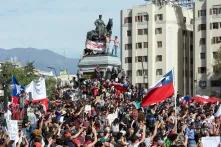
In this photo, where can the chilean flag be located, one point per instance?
(205, 99)
(16, 90)
(161, 91)
(119, 87)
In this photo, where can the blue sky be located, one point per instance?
(58, 25)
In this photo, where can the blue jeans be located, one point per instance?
(114, 50)
(191, 143)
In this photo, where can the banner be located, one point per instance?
(37, 89)
(96, 46)
(12, 126)
(211, 141)
(38, 92)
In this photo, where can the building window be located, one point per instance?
(184, 20)
(146, 17)
(139, 72)
(128, 46)
(158, 17)
(202, 84)
(215, 69)
(215, 83)
(128, 59)
(145, 72)
(201, 13)
(159, 44)
(202, 41)
(202, 27)
(216, 40)
(128, 20)
(145, 31)
(145, 59)
(215, 11)
(215, 55)
(138, 59)
(214, 25)
(139, 18)
(129, 73)
(159, 72)
(202, 55)
(140, 31)
(141, 59)
(129, 33)
(141, 85)
(201, 70)
(138, 45)
(158, 31)
(145, 45)
(158, 58)
(191, 21)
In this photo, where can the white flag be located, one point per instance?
(218, 112)
(37, 89)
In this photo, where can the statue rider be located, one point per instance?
(100, 26)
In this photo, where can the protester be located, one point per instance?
(102, 115)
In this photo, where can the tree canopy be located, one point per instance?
(24, 75)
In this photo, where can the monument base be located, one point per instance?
(88, 64)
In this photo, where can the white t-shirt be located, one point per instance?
(115, 128)
(8, 115)
(134, 145)
(148, 142)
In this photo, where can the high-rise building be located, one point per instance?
(155, 38)
(207, 34)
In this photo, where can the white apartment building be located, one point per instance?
(154, 39)
(207, 34)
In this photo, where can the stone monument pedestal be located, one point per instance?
(88, 64)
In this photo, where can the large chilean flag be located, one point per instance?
(161, 91)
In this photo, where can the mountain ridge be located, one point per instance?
(42, 58)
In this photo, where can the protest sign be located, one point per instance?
(87, 108)
(211, 141)
(12, 126)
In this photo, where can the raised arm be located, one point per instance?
(95, 137)
(78, 113)
(157, 125)
(143, 127)
(79, 132)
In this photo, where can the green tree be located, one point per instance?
(24, 76)
(50, 87)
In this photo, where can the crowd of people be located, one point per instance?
(99, 115)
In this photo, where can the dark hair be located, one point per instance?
(133, 138)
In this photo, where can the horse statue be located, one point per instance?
(109, 27)
(100, 36)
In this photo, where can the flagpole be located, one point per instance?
(175, 95)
